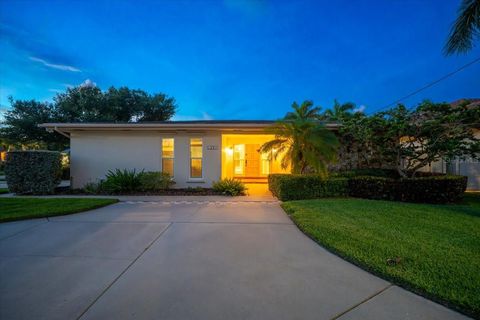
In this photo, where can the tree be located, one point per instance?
(81, 104)
(302, 141)
(22, 128)
(339, 111)
(85, 103)
(465, 28)
(409, 140)
(159, 107)
(90, 104)
(306, 111)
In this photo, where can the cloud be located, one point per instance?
(55, 66)
(360, 109)
(88, 84)
(205, 116)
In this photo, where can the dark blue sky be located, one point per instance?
(230, 59)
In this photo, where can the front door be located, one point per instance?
(246, 160)
(252, 160)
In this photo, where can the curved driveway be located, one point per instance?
(187, 260)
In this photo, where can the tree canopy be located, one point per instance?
(302, 142)
(81, 104)
(410, 139)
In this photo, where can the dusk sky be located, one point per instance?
(230, 59)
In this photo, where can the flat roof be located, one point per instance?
(195, 125)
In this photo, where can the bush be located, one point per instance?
(65, 172)
(297, 187)
(229, 187)
(369, 187)
(427, 189)
(122, 181)
(371, 172)
(95, 187)
(154, 181)
(35, 172)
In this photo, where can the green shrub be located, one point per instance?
(155, 180)
(35, 172)
(427, 189)
(229, 187)
(371, 172)
(369, 187)
(95, 187)
(297, 187)
(122, 181)
(66, 172)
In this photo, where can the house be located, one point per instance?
(466, 167)
(195, 153)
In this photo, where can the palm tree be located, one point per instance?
(339, 111)
(465, 28)
(302, 141)
(305, 111)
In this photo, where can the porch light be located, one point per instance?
(229, 151)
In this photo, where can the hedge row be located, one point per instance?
(432, 189)
(33, 172)
(296, 187)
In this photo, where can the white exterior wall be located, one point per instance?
(94, 153)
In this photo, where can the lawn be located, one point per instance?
(27, 208)
(430, 249)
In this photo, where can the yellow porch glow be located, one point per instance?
(241, 157)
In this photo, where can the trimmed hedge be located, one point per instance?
(33, 172)
(297, 187)
(432, 189)
(426, 189)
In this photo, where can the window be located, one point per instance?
(239, 159)
(196, 153)
(168, 152)
(265, 165)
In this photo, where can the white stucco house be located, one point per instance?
(195, 153)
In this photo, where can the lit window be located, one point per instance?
(239, 159)
(196, 153)
(168, 151)
(265, 164)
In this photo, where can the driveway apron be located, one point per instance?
(187, 260)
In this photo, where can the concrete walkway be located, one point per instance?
(180, 260)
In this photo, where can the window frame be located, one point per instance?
(196, 158)
(172, 157)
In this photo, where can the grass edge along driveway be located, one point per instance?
(429, 249)
(16, 208)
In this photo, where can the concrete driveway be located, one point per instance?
(187, 260)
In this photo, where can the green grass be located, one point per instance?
(3, 190)
(26, 208)
(438, 245)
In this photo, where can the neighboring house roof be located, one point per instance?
(243, 126)
(475, 102)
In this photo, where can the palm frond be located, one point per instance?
(465, 28)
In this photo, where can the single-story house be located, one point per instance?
(194, 153)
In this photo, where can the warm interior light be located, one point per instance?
(229, 151)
